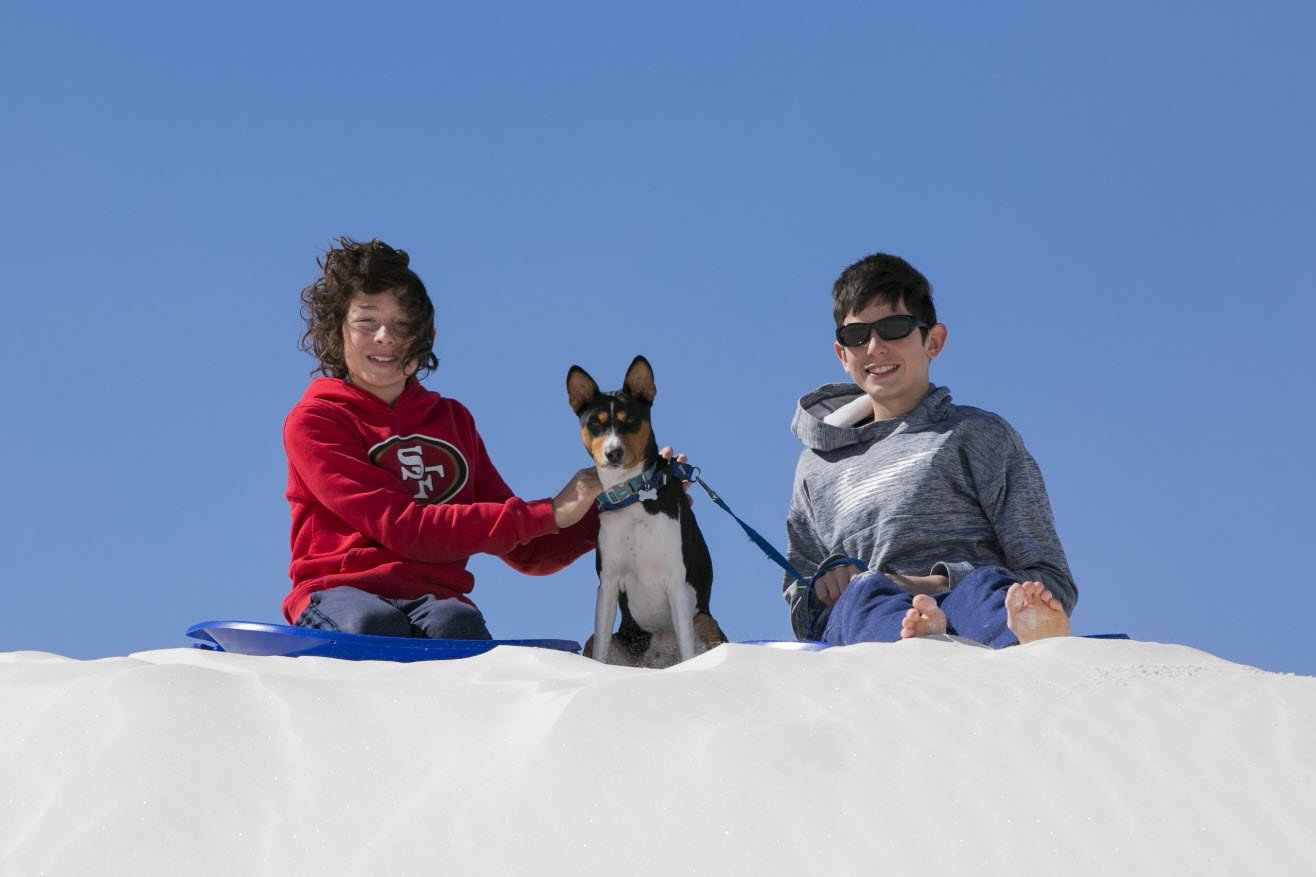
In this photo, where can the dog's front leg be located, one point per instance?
(605, 614)
(681, 602)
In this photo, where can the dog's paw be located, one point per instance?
(707, 631)
(620, 654)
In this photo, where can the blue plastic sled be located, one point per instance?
(255, 638)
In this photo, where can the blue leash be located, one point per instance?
(686, 472)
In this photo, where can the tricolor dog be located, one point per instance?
(652, 560)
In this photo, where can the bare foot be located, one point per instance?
(925, 619)
(1032, 613)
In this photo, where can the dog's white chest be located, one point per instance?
(642, 554)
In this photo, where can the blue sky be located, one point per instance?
(1113, 203)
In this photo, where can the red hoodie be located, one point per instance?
(394, 500)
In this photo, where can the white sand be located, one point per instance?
(1065, 756)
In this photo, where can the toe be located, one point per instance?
(1015, 597)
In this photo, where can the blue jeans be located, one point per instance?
(873, 606)
(350, 610)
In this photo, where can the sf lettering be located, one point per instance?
(413, 466)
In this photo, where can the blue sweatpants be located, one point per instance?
(873, 606)
(350, 610)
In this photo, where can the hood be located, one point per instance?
(809, 427)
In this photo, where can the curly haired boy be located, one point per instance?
(390, 485)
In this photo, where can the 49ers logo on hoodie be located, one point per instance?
(432, 469)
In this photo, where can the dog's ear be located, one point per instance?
(581, 388)
(639, 380)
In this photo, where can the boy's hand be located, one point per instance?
(575, 499)
(832, 584)
(920, 584)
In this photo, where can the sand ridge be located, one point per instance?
(1098, 756)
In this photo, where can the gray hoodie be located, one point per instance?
(943, 490)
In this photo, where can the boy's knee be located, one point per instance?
(349, 610)
(451, 619)
(870, 610)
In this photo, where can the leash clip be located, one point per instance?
(687, 472)
(711, 492)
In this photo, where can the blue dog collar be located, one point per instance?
(642, 486)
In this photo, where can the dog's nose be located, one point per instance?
(614, 455)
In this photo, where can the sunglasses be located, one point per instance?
(888, 329)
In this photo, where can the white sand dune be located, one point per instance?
(1081, 756)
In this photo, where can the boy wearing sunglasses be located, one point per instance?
(941, 502)
(390, 484)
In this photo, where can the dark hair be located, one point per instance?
(889, 280)
(371, 267)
